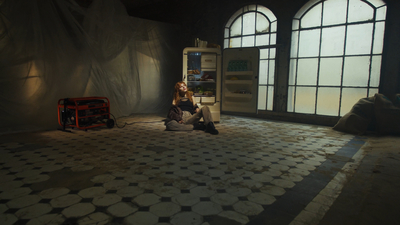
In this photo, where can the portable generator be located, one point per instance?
(84, 113)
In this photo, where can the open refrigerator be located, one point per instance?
(202, 75)
(240, 79)
(235, 91)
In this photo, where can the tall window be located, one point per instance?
(251, 26)
(336, 54)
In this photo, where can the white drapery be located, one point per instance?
(53, 49)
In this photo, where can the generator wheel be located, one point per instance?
(110, 123)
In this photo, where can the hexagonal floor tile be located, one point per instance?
(121, 209)
(141, 218)
(186, 218)
(207, 208)
(147, 199)
(65, 201)
(106, 200)
(165, 209)
(78, 210)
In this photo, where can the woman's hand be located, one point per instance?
(197, 110)
(181, 121)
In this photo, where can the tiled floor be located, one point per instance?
(254, 172)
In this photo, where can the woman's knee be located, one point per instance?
(205, 108)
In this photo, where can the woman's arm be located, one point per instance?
(195, 106)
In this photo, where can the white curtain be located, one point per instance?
(53, 49)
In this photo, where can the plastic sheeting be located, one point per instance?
(53, 49)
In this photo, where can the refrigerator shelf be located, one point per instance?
(238, 95)
(239, 73)
(238, 82)
(200, 81)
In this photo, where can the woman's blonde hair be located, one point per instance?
(177, 97)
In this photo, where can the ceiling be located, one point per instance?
(160, 10)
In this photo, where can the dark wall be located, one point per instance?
(390, 77)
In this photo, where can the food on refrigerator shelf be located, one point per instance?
(234, 78)
(191, 78)
(206, 76)
(208, 93)
(199, 89)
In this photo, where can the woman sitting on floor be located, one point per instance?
(184, 112)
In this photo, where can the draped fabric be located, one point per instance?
(53, 49)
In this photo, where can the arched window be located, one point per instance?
(336, 54)
(255, 25)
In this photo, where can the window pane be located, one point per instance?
(305, 99)
(295, 25)
(309, 43)
(226, 43)
(248, 41)
(377, 3)
(312, 18)
(378, 40)
(290, 104)
(307, 72)
(381, 13)
(264, 53)
(330, 71)
(273, 39)
(359, 39)
(271, 73)
(273, 26)
(350, 96)
(249, 8)
(270, 98)
(292, 71)
(263, 73)
(236, 28)
(272, 53)
(262, 40)
(375, 71)
(236, 42)
(356, 71)
(249, 20)
(293, 48)
(262, 25)
(332, 41)
(328, 101)
(334, 12)
(262, 97)
(359, 11)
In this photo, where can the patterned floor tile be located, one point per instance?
(142, 174)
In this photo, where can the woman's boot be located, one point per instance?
(210, 128)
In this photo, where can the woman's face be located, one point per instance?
(183, 88)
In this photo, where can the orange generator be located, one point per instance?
(84, 113)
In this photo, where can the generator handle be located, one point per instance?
(65, 113)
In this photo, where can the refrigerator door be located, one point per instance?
(202, 74)
(240, 79)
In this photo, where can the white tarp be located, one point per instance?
(53, 49)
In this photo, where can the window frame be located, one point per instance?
(296, 34)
